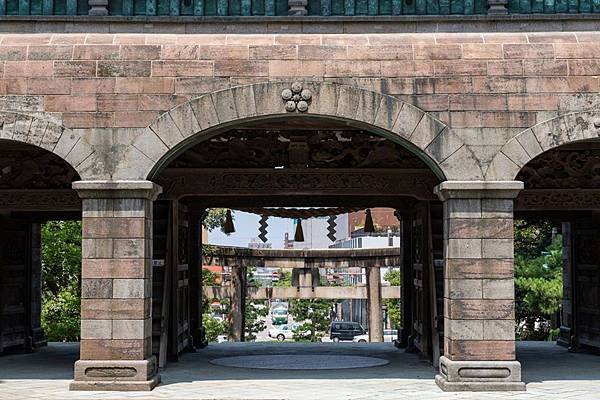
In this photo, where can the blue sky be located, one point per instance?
(246, 228)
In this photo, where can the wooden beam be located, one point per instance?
(183, 182)
(318, 292)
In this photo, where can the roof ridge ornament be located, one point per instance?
(296, 98)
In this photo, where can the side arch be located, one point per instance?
(45, 134)
(547, 135)
(208, 115)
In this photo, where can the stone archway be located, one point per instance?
(207, 115)
(540, 138)
(40, 132)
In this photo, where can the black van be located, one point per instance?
(341, 330)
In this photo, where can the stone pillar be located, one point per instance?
(238, 303)
(116, 289)
(479, 310)
(374, 306)
(497, 7)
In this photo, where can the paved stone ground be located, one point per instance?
(550, 372)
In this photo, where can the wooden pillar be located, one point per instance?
(374, 304)
(406, 278)
(195, 251)
(238, 303)
(38, 338)
(566, 320)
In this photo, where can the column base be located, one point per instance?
(117, 375)
(479, 376)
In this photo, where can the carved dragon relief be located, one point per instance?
(266, 148)
(561, 179)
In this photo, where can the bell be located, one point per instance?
(299, 235)
(369, 228)
(228, 226)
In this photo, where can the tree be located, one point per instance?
(61, 256)
(255, 310)
(538, 289)
(315, 316)
(215, 218)
(61, 280)
(532, 237)
(394, 310)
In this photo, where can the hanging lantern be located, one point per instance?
(369, 228)
(299, 235)
(228, 226)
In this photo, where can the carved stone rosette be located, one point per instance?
(296, 98)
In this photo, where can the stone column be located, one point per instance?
(116, 290)
(374, 306)
(479, 310)
(238, 303)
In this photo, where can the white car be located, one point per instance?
(283, 332)
(388, 336)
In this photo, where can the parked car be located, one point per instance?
(283, 332)
(388, 336)
(279, 316)
(341, 330)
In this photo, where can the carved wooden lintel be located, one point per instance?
(182, 182)
(558, 199)
(39, 200)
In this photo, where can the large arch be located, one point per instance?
(550, 134)
(209, 114)
(45, 134)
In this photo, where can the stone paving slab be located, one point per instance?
(549, 371)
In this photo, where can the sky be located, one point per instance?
(246, 228)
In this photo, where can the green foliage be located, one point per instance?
(215, 218)
(532, 237)
(538, 289)
(61, 256)
(61, 280)
(393, 306)
(60, 316)
(255, 310)
(314, 317)
(285, 279)
(213, 327)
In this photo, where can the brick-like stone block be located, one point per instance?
(471, 228)
(116, 228)
(463, 248)
(74, 69)
(112, 309)
(95, 52)
(498, 289)
(97, 248)
(131, 248)
(132, 288)
(96, 329)
(124, 68)
(177, 68)
(95, 288)
(479, 268)
(116, 268)
(456, 329)
(236, 68)
(528, 50)
(462, 208)
(497, 248)
(463, 288)
(479, 309)
(499, 330)
(484, 350)
(104, 349)
(132, 329)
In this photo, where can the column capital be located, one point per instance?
(478, 189)
(103, 189)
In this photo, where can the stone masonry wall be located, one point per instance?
(486, 87)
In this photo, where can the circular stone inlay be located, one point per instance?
(299, 362)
